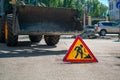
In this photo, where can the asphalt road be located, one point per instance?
(40, 62)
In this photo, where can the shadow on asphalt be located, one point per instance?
(118, 40)
(118, 57)
(27, 49)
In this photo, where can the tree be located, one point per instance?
(96, 9)
(93, 7)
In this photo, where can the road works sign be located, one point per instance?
(79, 52)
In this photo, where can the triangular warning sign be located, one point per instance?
(79, 52)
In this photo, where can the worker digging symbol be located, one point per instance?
(78, 50)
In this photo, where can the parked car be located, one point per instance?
(104, 27)
(90, 28)
(90, 31)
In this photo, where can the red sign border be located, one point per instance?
(70, 49)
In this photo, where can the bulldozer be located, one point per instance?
(19, 17)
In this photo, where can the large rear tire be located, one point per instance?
(11, 39)
(35, 38)
(51, 40)
(2, 30)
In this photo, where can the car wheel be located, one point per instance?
(103, 33)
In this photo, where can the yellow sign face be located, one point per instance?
(79, 52)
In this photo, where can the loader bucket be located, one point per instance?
(48, 20)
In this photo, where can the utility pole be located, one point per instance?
(84, 19)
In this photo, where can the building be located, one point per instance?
(113, 10)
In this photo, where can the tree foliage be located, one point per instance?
(93, 7)
(96, 9)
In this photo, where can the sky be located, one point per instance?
(104, 2)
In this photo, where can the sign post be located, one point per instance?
(118, 6)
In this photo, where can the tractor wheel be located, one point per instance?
(11, 39)
(35, 38)
(2, 31)
(51, 40)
